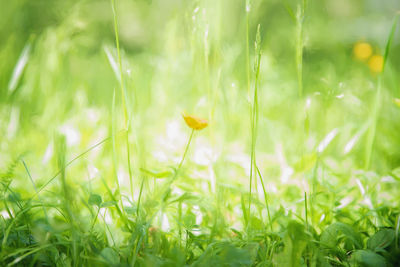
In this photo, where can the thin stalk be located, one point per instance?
(207, 72)
(272, 249)
(8, 208)
(170, 182)
(61, 151)
(254, 114)
(307, 255)
(139, 198)
(306, 209)
(247, 49)
(187, 242)
(397, 231)
(265, 198)
(299, 46)
(123, 96)
(179, 166)
(243, 206)
(129, 160)
(120, 212)
(106, 226)
(95, 219)
(35, 188)
(184, 154)
(70, 162)
(119, 61)
(114, 147)
(378, 99)
(314, 189)
(179, 222)
(138, 245)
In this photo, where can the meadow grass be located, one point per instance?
(289, 156)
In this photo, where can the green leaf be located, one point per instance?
(189, 220)
(232, 256)
(156, 173)
(306, 162)
(367, 258)
(290, 11)
(381, 239)
(334, 232)
(185, 197)
(389, 41)
(95, 199)
(256, 223)
(396, 172)
(130, 210)
(110, 255)
(295, 241)
(14, 197)
(237, 232)
(108, 204)
(245, 215)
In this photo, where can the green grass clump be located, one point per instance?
(290, 157)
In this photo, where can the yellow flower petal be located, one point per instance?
(362, 51)
(194, 122)
(375, 63)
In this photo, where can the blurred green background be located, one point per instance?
(338, 142)
(166, 45)
(57, 76)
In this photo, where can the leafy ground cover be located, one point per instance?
(199, 133)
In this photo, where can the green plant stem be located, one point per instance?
(171, 181)
(378, 99)
(119, 60)
(95, 219)
(140, 198)
(35, 188)
(254, 114)
(184, 154)
(307, 256)
(121, 213)
(123, 96)
(70, 162)
(247, 49)
(108, 228)
(314, 189)
(114, 148)
(179, 222)
(299, 46)
(265, 197)
(397, 231)
(306, 209)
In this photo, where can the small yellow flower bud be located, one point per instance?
(194, 122)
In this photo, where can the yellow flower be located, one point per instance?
(375, 63)
(362, 50)
(194, 122)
